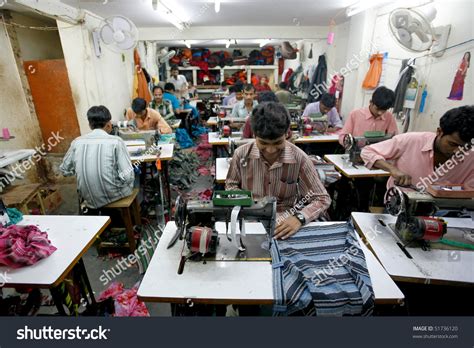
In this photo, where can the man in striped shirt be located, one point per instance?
(100, 162)
(271, 166)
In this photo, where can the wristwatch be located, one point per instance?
(300, 218)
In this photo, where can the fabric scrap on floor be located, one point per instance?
(126, 301)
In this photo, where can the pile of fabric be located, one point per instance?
(321, 271)
(23, 245)
(183, 169)
(126, 302)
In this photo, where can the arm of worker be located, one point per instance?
(159, 123)
(347, 129)
(335, 122)
(392, 127)
(129, 115)
(124, 164)
(169, 114)
(67, 167)
(235, 111)
(233, 180)
(314, 200)
(378, 155)
(307, 111)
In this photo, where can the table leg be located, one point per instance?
(166, 173)
(82, 270)
(127, 219)
(58, 301)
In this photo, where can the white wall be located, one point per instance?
(37, 44)
(107, 80)
(14, 111)
(437, 73)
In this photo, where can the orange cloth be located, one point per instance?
(151, 121)
(372, 78)
(140, 86)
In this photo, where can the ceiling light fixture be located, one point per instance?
(187, 44)
(264, 42)
(217, 5)
(164, 8)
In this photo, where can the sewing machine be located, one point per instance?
(234, 143)
(195, 221)
(354, 145)
(307, 125)
(414, 210)
(137, 141)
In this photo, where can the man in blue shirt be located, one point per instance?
(169, 95)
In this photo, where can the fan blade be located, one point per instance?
(107, 34)
(121, 23)
(404, 36)
(401, 21)
(128, 43)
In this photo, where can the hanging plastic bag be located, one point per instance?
(372, 78)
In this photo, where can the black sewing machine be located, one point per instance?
(195, 221)
(234, 143)
(414, 210)
(353, 145)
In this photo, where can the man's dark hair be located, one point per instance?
(158, 87)
(138, 105)
(283, 85)
(238, 88)
(459, 120)
(328, 100)
(98, 116)
(267, 96)
(249, 87)
(169, 87)
(174, 67)
(231, 89)
(223, 84)
(383, 98)
(270, 120)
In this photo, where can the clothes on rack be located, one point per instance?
(318, 83)
(457, 88)
(406, 73)
(372, 77)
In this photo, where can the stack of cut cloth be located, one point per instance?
(183, 169)
(23, 246)
(126, 301)
(321, 271)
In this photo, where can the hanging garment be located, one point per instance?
(318, 82)
(321, 271)
(457, 88)
(336, 89)
(310, 55)
(23, 246)
(406, 73)
(372, 78)
(287, 51)
(140, 86)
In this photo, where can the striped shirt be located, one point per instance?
(102, 166)
(292, 179)
(165, 109)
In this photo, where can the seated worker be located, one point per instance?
(326, 105)
(179, 82)
(421, 158)
(262, 85)
(161, 105)
(225, 100)
(271, 166)
(147, 118)
(283, 95)
(223, 88)
(100, 162)
(171, 97)
(375, 117)
(238, 95)
(263, 97)
(244, 107)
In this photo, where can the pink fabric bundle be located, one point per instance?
(126, 301)
(204, 171)
(23, 245)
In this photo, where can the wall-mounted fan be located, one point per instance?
(413, 30)
(118, 33)
(163, 56)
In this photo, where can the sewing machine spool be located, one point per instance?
(226, 131)
(308, 130)
(202, 240)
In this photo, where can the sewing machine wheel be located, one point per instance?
(180, 212)
(395, 201)
(348, 142)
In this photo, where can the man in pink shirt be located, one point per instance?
(373, 118)
(423, 158)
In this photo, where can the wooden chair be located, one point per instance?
(129, 208)
(20, 196)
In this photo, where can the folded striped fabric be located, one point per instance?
(321, 271)
(23, 245)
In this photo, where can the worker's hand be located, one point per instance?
(287, 228)
(401, 179)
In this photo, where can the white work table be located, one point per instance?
(165, 155)
(212, 121)
(71, 235)
(231, 282)
(222, 167)
(350, 171)
(216, 140)
(449, 267)
(9, 157)
(326, 138)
